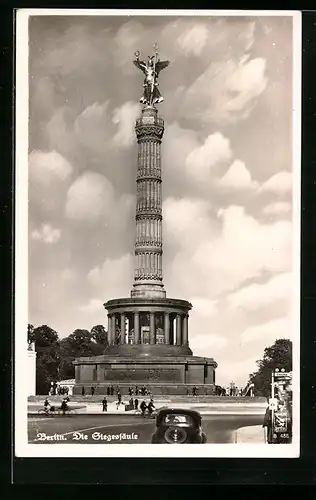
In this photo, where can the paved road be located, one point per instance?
(123, 429)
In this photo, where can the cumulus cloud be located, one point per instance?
(226, 92)
(212, 40)
(268, 332)
(214, 151)
(93, 128)
(46, 234)
(279, 184)
(130, 36)
(125, 117)
(246, 83)
(59, 132)
(177, 144)
(234, 248)
(256, 296)
(208, 345)
(186, 220)
(84, 47)
(237, 177)
(114, 277)
(90, 197)
(277, 208)
(47, 168)
(193, 40)
(204, 307)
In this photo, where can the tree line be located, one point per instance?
(55, 356)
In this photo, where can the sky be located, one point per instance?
(227, 174)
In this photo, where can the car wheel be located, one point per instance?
(175, 435)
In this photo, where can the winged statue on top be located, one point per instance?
(151, 69)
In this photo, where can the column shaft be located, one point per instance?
(109, 329)
(178, 330)
(167, 328)
(122, 328)
(152, 339)
(113, 329)
(136, 327)
(185, 339)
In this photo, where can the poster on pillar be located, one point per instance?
(157, 232)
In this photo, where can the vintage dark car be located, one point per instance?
(178, 426)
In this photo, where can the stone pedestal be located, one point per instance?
(160, 374)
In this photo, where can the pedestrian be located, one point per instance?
(267, 422)
(151, 406)
(143, 407)
(82, 391)
(64, 406)
(46, 405)
(108, 391)
(104, 404)
(92, 391)
(136, 404)
(119, 400)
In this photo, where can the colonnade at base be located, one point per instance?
(148, 328)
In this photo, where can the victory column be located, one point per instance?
(148, 333)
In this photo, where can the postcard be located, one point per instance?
(157, 235)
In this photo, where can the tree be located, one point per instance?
(279, 355)
(100, 335)
(66, 368)
(48, 356)
(44, 336)
(81, 343)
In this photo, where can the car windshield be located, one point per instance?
(175, 418)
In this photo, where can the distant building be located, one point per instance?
(67, 384)
(31, 369)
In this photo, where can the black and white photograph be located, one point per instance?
(157, 240)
